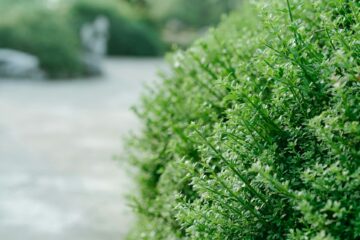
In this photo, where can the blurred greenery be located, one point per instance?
(129, 32)
(192, 13)
(183, 21)
(34, 29)
(49, 29)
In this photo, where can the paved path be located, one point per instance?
(58, 179)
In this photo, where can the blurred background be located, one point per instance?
(52, 30)
(69, 72)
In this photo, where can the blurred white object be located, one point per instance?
(16, 64)
(94, 37)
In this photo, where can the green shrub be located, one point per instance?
(129, 34)
(255, 134)
(32, 28)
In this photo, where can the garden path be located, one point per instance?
(58, 178)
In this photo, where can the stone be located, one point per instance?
(17, 64)
(94, 37)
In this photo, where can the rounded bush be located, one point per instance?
(255, 134)
(36, 30)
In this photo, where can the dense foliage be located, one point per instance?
(255, 134)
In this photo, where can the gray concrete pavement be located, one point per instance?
(58, 179)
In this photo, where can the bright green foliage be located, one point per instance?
(256, 133)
